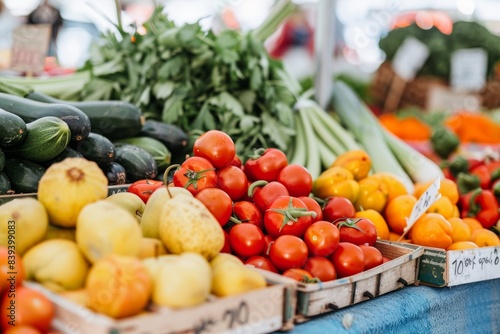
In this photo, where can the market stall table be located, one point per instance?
(469, 308)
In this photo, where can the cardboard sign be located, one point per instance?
(469, 69)
(30, 44)
(410, 58)
(473, 265)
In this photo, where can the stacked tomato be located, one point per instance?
(268, 216)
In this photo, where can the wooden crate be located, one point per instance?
(319, 298)
(259, 311)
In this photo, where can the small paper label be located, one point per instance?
(423, 203)
(410, 58)
(469, 69)
(473, 265)
(30, 44)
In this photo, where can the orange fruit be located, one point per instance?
(397, 210)
(461, 231)
(443, 206)
(393, 185)
(473, 224)
(395, 237)
(448, 188)
(432, 230)
(462, 245)
(378, 220)
(456, 212)
(485, 238)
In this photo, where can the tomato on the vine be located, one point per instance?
(262, 262)
(338, 207)
(373, 257)
(218, 203)
(215, 146)
(233, 181)
(296, 179)
(299, 274)
(195, 174)
(265, 164)
(322, 238)
(313, 205)
(287, 215)
(321, 268)
(348, 259)
(264, 193)
(247, 212)
(144, 188)
(357, 231)
(246, 240)
(288, 251)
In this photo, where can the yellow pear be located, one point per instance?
(151, 215)
(57, 264)
(151, 247)
(232, 278)
(130, 202)
(56, 232)
(104, 228)
(23, 223)
(79, 296)
(222, 258)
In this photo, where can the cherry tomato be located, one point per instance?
(144, 188)
(386, 259)
(269, 241)
(312, 205)
(227, 246)
(357, 231)
(236, 162)
(298, 274)
(195, 174)
(348, 259)
(218, 203)
(262, 263)
(322, 238)
(296, 179)
(338, 207)
(265, 164)
(246, 240)
(287, 215)
(27, 307)
(215, 146)
(288, 251)
(247, 212)
(264, 195)
(373, 257)
(321, 268)
(233, 181)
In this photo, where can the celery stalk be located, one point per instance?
(279, 13)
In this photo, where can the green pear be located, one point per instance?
(130, 202)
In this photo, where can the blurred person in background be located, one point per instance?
(45, 13)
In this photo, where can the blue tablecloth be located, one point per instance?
(469, 308)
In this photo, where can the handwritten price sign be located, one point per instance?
(30, 44)
(473, 265)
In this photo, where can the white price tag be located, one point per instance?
(410, 58)
(469, 69)
(473, 265)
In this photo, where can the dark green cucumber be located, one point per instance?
(29, 111)
(47, 137)
(112, 119)
(2, 160)
(5, 186)
(115, 173)
(173, 137)
(156, 148)
(138, 163)
(12, 129)
(68, 152)
(96, 148)
(23, 175)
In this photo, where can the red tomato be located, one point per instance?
(312, 205)
(236, 162)
(144, 188)
(357, 231)
(233, 181)
(348, 259)
(23, 330)
(27, 307)
(287, 215)
(247, 212)
(218, 203)
(299, 274)
(322, 238)
(246, 240)
(269, 241)
(265, 165)
(227, 246)
(10, 262)
(262, 263)
(195, 174)
(264, 195)
(215, 146)
(288, 251)
(373, 257)
(338, 207)
(385, 259)
(321, 268)
(297, 180)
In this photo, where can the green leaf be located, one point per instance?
(111, 67)
(170, 68)
(144, 99)
(230, 102)
(172, 109)
(247, 122)
(162, 90)
(279, 134)
(247, 100)
(227, 39)
(255, 79)
(228, 56)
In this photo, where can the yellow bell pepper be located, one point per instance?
(393, 185)
(373, 194)
(358, 162)
(336, 182)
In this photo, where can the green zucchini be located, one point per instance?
(112, 119)
(115, 173)
(47, 137)
(156, 148)
(138, 163)
(173, 137)
(23, 175)
(12, 129)
(29, 111)
(2, 160)
(68, 152)
(96, 148)
(5, 186)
